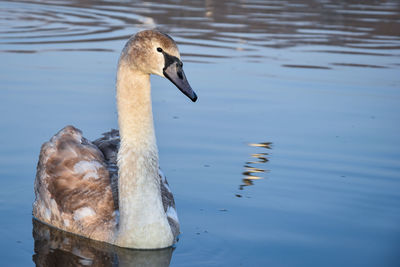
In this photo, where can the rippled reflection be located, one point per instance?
(368, 28)
(57, 248)
(254, 169)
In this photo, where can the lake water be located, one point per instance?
(290, 157)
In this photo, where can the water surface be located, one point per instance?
(290, 157)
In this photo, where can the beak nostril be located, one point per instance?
(180, 75)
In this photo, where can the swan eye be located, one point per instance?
(159, 49)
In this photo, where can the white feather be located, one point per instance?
(83, 212)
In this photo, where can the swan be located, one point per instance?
(112, 189)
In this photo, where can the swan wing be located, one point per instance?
(169, 204)
(73, 188)
(108, 144)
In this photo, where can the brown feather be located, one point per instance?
(63, 191)
(78, 201)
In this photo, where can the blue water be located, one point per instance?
(318, 81)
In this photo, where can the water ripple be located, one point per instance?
(225, 26)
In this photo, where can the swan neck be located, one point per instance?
(135, 116)
(143, 222)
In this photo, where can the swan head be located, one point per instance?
(154, 52)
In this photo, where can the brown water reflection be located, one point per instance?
(247, 26)
(254, 169)
(57, 248)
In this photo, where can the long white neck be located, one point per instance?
(143, 222)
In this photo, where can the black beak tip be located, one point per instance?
(194, 98)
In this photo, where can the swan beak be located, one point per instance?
(175, 74)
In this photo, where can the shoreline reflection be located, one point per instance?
(54, 247)
(251, 172)
(250, 26)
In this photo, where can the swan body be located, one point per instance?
(112, 189)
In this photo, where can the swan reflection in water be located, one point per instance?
(54, 247)
(253, 170)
